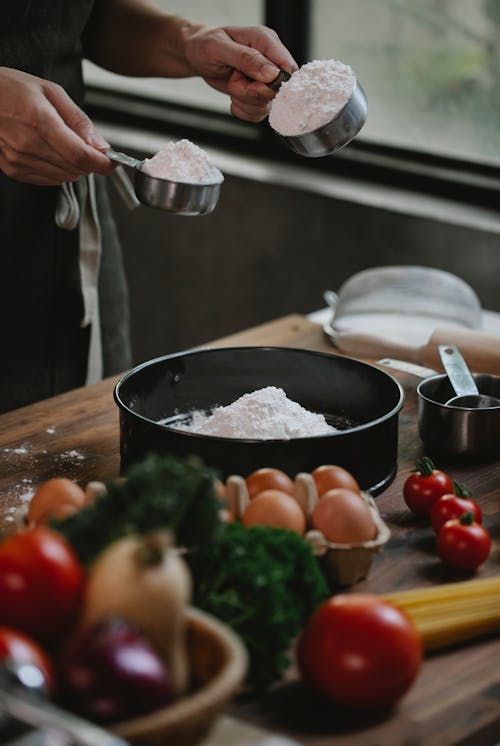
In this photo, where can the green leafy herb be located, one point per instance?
(160, 492)
(264, 583)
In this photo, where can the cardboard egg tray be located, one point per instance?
(343, 564)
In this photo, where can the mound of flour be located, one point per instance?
(313, 96)
(182, 161)
(265, 414)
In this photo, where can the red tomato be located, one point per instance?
(463, 544)
(448, 507)
(41, 581)
(20, 648)
(359, 651)
(425, 486)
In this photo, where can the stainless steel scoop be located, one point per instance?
(173, 196)
(336, 133)
(466, 392)
(22, 698)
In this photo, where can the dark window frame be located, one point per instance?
(455, 179)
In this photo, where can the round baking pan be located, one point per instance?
(359, 399)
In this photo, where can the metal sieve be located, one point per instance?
(404, 304)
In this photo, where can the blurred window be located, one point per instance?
(430, 69)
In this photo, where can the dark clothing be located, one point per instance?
(43, 347)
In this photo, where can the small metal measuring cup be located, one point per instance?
(455, 431)
(173, 196)
(336, 133)
(22, 697)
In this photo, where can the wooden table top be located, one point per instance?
(456, 698)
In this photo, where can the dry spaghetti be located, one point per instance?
(447, 614)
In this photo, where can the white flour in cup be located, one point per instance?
(265, 414)
(182, 161)
(313, 96)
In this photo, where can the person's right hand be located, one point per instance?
(45, 138)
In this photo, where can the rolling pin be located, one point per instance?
(481, 350)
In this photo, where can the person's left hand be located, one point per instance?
(240, 61)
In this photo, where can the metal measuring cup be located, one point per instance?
(179, 197)
(333, 135)
(22, 698)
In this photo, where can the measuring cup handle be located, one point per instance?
(123, 158)
(281, 77)
(455, 366)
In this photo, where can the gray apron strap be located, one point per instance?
(90, 259)
(78, 207)
(124, 187)
(70, 212)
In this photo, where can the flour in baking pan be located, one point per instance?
(265, 414)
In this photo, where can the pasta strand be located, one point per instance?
(451, 613)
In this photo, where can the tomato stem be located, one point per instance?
(467, 519)
(461, 490)
(425, 466)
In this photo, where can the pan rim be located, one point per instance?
(264, 348)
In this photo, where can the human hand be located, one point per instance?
(240, 61)
(45, 138)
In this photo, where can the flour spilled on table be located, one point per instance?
(265, 414)
(19, 461)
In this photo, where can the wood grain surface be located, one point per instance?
(456, 698)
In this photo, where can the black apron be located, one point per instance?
(43, 346)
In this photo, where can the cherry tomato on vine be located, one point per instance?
(448, 507)
(359, 651)
(18, 647)
(41, 581)
(424, 486)
(463, 544)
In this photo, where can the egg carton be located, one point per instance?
(343, 564)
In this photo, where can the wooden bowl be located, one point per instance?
(218, 662)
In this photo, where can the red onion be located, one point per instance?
(111, 673)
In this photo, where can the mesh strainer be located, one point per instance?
(402, 303)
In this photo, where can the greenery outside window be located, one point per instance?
(431, 70)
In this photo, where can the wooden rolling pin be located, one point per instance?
(481, 350)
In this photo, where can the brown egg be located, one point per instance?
(56, 498)
(343, 517)
(276, 509)
(268, 479)
(329, 476)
